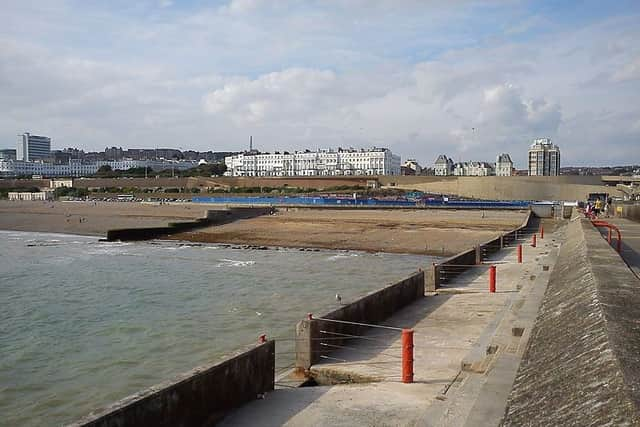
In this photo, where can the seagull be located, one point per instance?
(258, 313)
(338, 298)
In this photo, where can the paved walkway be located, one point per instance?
(630, 231)
(466, 350)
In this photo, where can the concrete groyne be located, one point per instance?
(200, 397)
(211, 217)
(582, 363)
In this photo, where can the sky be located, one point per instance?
(469, 79)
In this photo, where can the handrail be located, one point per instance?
(600, 223)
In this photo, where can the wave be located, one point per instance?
(342, 256)
(234, 263)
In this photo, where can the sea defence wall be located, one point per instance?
(371, 309)
(582, 363)
(506, 187)
(200, 397)
(211, 217)
(453, 266)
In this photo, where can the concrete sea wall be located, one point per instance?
(212, 217)
(582, 363)
(457, 264)
(200, 397)
(506, 187)
(629, 211)
(372, 309)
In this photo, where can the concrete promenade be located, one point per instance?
(468, 344)
(630, 231)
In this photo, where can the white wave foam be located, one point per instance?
(234, 263)
(342, 256)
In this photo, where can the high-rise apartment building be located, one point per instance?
(33, 147)
(544, 158)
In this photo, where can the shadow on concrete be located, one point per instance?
(277, 407)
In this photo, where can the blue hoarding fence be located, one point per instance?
(338, 201)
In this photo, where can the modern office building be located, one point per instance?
(375, 161)
(544, 158)
(504, 165)
(7, 154)
(33, 147)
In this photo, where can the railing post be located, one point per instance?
(407, 356)
(520, 254)
(609, 235)
(533, 241)
(492, 278)
(541, 232)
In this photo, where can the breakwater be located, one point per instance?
(200, 397)
(447, 269)
(582, 364)
(372, 309)
(211, 217)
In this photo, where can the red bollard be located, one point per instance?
(519, 254)
(492, 278)
(533, 241)
(541, 232)
(262, 339)
(407, 356)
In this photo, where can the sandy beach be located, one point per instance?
(97, 219)
(433, 232)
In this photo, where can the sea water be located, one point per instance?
(84, 323)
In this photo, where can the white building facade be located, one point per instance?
(473, 169)
(443, 166)
(544, 158)
(75, 168)
(504, 165)
(376, 161)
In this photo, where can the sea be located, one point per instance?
(84, 323)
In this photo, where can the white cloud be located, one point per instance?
(292, 94)
(307, 74)
(630, 71)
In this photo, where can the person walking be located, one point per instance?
(598, 207)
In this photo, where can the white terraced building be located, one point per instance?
(375, 161)
(13, 168)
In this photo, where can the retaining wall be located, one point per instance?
(581, 365)
(459, 263)
(566, 187)
(629, 211)
(371, 309)
(201, 397)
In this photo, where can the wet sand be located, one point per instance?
(64, 217)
